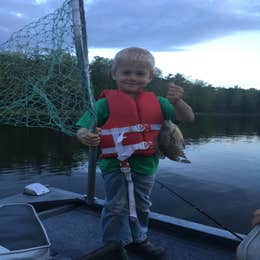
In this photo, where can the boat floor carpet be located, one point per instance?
(77, 232)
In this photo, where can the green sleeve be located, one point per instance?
(167, 109)
(102, 112)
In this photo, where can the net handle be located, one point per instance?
(80, 34)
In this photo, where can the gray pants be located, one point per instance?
(116, 225)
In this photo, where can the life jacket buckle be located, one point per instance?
(146, 145)
(125, 167)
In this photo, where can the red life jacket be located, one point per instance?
(132, 126)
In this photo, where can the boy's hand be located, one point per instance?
(175, 93)
(86, 137)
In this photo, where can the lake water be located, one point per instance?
(223, 178)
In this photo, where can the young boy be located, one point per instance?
(128, 121)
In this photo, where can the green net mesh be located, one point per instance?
(40, 76)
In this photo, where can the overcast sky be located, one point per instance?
(217, 41)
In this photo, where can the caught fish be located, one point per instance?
(170, 142)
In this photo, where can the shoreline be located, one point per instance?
(226, 114)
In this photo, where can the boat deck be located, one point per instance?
(77, 232)
(73, 228)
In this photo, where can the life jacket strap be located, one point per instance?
(126, 170)
(130, 147)
(130, 129)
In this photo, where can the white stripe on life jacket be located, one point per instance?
(125, 151)
(138, 146)
(132, 128)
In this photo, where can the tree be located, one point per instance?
(100, 73)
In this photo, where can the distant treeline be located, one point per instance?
(203, 97)
(56, 74)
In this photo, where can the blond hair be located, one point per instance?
(134, 55)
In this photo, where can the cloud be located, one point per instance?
(15, 14)
(166, 24)
(157, 25)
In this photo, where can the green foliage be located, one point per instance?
(40, 76)
(202, 97)
(100, 74)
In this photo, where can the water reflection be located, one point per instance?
(43, 146)
(39, 148)
(206, 127)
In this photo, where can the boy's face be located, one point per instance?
(132, 78)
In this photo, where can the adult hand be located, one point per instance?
(85, 136)
(175, 93)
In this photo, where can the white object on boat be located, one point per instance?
(22, 234)
(248, 249)
(36, 189)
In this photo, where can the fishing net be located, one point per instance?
(42, 80)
